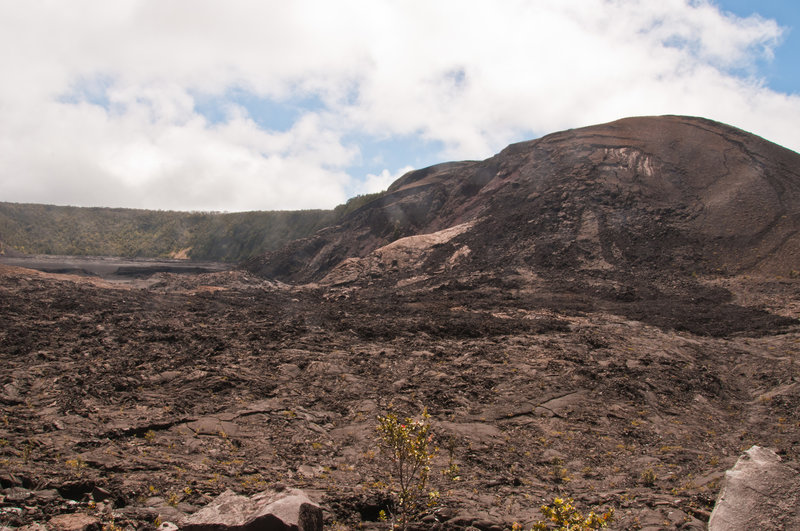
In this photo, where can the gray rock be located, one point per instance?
(17, 494)
(286, 510)
(100, 494)
(214, 426)
(46, 495)
(36, 526)
(759, 492)
(461, 520)
(74, 522)
(168, 513)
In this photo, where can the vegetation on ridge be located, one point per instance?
(215, 236)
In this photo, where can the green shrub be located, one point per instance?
(407, 445)
(649, 477)
(563, 516)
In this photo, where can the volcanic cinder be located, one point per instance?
(606, 313)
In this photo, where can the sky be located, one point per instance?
(272, 105)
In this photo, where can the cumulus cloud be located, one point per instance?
(378, 183)
(100, 100)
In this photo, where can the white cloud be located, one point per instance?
(380, 182)
(97, 103)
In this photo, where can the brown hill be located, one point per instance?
(620, 217)
(655, 194)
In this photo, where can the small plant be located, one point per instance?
(26, 452)
(649, 477)
(408, 445)
(558, 472)
(111, 525)
(563, 516)
(173, 499)
(453, 473)
(76, 465)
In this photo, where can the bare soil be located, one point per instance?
(133, 402)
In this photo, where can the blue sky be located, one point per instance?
(377, 152)
(261, 104)
(782, 72)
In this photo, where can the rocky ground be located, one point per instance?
(138, 402)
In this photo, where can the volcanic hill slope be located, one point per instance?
(606, 313)
(625, 213)
(666, 193)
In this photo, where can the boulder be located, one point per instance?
(759, 492)
(284, 510)
(17, 494)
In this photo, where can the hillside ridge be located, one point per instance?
(136, 233)
(690, 192)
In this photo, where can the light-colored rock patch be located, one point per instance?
(759, 492)
(405, 253)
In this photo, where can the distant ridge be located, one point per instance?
(226, 237)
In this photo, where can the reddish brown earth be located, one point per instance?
(615, 329)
